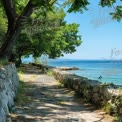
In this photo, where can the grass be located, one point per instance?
(21, 70)
(72, 93)
(107, 108)
(50, 73)
(3, 61)
(21, 96)
(118, 118)
(60, 85)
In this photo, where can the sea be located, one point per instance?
(109, 70)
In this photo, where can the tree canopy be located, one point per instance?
(18, 16)
(49, 35)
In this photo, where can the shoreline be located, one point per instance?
(60, 102)
(68, 69)
(93, 91)
(109, 73)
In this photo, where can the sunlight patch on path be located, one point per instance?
(47, 102)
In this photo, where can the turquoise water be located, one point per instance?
(111, 71)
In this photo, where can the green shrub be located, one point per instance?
(20, 97)
(108, 108)
(3, 61)
(50, 73)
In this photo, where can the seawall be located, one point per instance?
(9, 83)
(92, 90)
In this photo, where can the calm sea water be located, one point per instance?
(111, 71)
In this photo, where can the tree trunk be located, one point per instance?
(16, 58)
(19, 60)
(15, 23)
(12, 57)
(16, 27)
(9, 41)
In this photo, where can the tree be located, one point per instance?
(54, 37)
(2, 26)
(17, 19)
(80, 5)
(16, 22)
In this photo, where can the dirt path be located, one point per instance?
(46, 101)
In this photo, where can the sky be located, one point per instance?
(101, 36)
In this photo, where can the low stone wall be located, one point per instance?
(9, 83)
(92, 90)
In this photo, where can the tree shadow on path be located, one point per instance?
(47, 101)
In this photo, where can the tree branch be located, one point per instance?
(10, 12)
(28, 10)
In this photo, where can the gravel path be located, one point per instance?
(46, 101)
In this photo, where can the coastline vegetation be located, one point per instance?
(3, 62)
(21, 96)
(38, 27)
(50, 72)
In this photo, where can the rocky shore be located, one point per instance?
(67, 68)
(93, 91)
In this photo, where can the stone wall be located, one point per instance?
(9, 83)
(92, 90)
